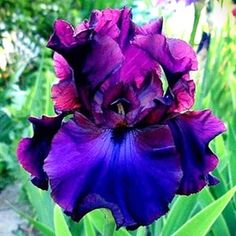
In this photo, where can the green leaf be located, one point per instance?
(40, 200)
(109, 227)
(88, 227)
(97, 218)
(177, 216)
(45, 230)
(220, 226)
(142, 231)
(201, 223)
(61, 227)
(121, 232)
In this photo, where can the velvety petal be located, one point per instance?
(62, 68)
(150, 94)
(104, 59)
(84, 26)
(134, 173)
(105, 22)
(91, 59)
(137, 65)
(153, 27)
(192, 133)
(126, 27)
(31, 152)
(115, 23)
(65, 37)
(65, 96)
(175, 56)
(183, 95)
(62, 38)
(64, 93)
(150, 88)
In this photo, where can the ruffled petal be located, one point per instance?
(175, 56)
(134, 173)
(192, 133)
(104, 58)
(153, 27)
(31, 152)
(86, 61)
(115, 23)
(63, 37)
(92, 58)
(105, 22)
(183, 95)
(63, 34)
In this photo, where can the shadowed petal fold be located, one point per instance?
(182, 94)
(31, 152)
(192, 133)
(134, 173)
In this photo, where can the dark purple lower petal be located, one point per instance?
(192, 133)
(31, 152)
(134, 173)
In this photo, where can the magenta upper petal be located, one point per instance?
(64, 93)
(31, 152)
(192, 133)
(135, 174)
(153, 27)
(175, 56)
(183, 95)
(62, 68)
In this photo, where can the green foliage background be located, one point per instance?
(25, 86)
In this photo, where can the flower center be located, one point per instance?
(120, 106)
(121, 109)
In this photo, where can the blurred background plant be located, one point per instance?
(26, 76)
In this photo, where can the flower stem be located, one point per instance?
(197, 14)
(109, 227)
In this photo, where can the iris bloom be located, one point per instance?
(130, 145)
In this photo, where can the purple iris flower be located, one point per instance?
(130, 145)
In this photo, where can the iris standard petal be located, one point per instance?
(137, 65)
(192, 133)
(63, 36)
(134, 173)
(153, 27)
(115, 23)
(175, 56)
(93, 60)
(105, 22)
(31, 152)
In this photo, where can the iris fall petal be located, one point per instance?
(135, 174)
(192, 133)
